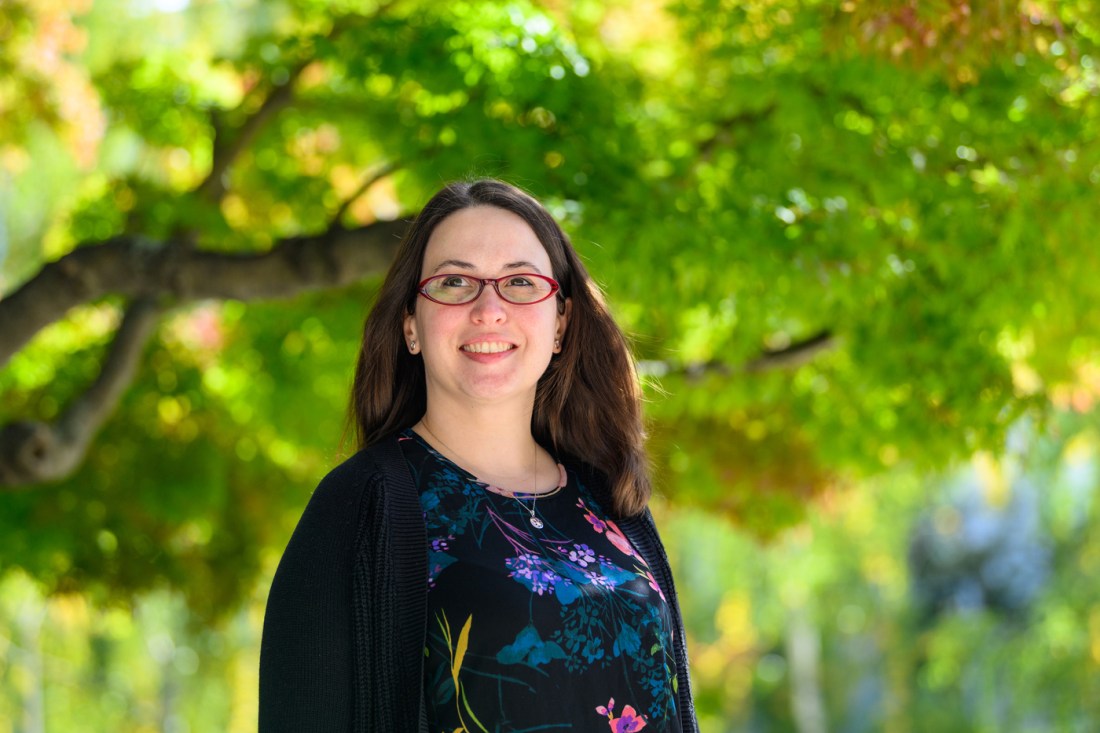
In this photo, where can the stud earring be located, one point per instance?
(557, 345)
(412, 346)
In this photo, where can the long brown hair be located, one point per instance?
(587, 403)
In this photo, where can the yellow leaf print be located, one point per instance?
(457, 657)
(460, 651)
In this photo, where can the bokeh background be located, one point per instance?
(854, 243)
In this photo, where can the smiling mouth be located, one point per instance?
(488, 347)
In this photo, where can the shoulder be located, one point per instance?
(639, 528)
(359, 479)
(597, 483)
(380, 460)
(592, 478)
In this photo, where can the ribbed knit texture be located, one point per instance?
(642, 533)
(343, 634)
(343, 639)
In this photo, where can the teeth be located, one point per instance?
(487, 347)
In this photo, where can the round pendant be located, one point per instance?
(536, 522)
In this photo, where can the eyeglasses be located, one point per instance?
(521, 289)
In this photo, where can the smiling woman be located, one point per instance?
(486, 561)
(484, 348)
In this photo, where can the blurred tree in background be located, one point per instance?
(851, 240)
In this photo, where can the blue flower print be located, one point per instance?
(627, 641)
(609, 576)
(530, 649)
(534, 572)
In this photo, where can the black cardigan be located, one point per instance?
(343, 638)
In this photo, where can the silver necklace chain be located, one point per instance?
(534, 520)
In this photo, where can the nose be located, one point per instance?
(489, 307)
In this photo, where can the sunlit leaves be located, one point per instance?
(40, 81)
(913, 183)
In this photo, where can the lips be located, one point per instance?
(488, 347)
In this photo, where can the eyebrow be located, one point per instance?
(461, 264)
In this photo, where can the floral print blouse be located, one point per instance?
(551, 623)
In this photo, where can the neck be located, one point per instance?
(495, 444)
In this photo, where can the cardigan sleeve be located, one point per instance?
(343, 635)
(306, 654)
(688, 721)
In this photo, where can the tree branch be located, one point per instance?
(136, 268)
(790, 357)
(794, 355)
(149, 272)
(368, 181)
(279, 97)
(35, 452)
(725, 126)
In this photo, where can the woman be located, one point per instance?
(486, 562)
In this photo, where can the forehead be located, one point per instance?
(486, 237)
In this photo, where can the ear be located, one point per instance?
(563, 321)
(412, 341)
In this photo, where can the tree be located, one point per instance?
(844, 235)
(268, 161)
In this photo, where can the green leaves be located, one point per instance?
(853, 243)
(842, 236)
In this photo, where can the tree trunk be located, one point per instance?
(804, 655)
(33, 696)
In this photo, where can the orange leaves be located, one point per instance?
(45, 83)
(957, 37)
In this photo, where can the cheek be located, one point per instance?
(545, 325)
(439, 325)
(428, 327)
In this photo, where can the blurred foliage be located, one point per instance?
(854, 570)
(915, 181)
(849, 573)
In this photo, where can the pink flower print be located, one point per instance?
(597, 524)
(648, 575)
(622, 544)
(613, 532)
(628, 722)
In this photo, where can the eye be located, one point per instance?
(520, 281)
(454, 281)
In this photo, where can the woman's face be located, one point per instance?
(488, 351)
